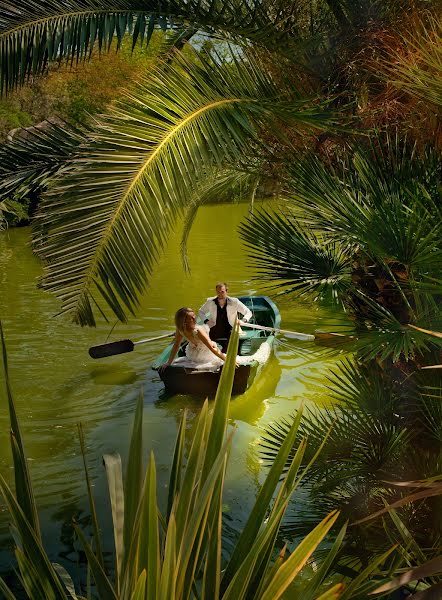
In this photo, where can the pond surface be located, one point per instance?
(56, 384)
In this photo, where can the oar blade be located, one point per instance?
(111, 349)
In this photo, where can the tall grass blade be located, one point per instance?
(95, 527)
(177, 465)
(212, 569)
(66, 579)
(33, 549)
(34, 585)
(431, 567)
(134, 475)
(140, 588)
(23, 485)
(112, 463)
(6, 591)
(222, 399)
(192, 476)
(169, 570)
(191, 537)
(253, 556)
(355, 584)
(260, 507)
(148, 536)
(104, 586)
(333, 593)
(297, 560)
(318, 578)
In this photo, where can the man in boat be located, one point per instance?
(220, 313)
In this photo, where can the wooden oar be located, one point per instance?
(122, 346)
(306, 337)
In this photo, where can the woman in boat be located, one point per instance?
(200, 349)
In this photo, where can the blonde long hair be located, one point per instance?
(180, 318)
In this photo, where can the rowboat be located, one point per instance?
(254, 344)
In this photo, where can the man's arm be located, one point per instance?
(202, 313)
(246, 312)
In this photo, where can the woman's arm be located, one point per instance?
(209, 343)
(173, 352)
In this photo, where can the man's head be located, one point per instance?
(221, 290)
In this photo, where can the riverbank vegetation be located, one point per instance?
(333, 108)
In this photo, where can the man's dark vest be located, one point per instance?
(222, 327)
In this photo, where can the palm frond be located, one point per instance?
(297, 260)
(105, 220)
(226, 186)
(31, 159)
(35, 33)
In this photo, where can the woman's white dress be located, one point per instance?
(198, 355)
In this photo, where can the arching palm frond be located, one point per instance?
(35, 33)
(106, 218)
(31, 159)
(295, 260)
(226, 186)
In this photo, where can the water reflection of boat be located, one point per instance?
(250, 406)
(255, 344)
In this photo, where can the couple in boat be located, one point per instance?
(202, 348)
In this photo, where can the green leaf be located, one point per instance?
(332, 593)
(177, 465)
(168, 578)
(66, 579)
(218, 424)
(324, 569)
(431, 567)
(260, 507)
(6, 591)
(296, 561)
(112, 462)
(148, 535)
(35, 552)
(23, 484)
(104, 586)
(139, 592)
(369, 570)
(95, 526)
(134, 477)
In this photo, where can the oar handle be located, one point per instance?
(159, 337)
(307, 337)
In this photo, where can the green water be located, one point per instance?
(56, 384)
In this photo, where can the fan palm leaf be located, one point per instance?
(34, 33)
(295, 259)
(105, 220)
(390, 216)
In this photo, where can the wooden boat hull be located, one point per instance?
(182, 380)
